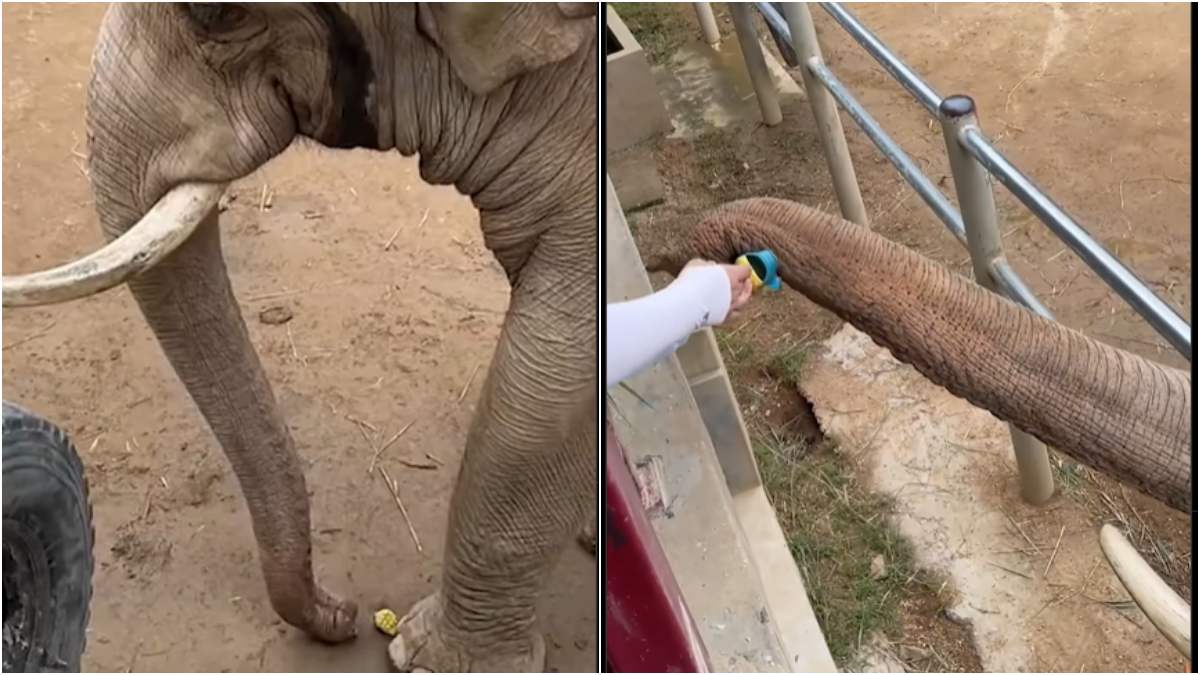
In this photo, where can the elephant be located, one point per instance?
(498, 100)
(1116, 412)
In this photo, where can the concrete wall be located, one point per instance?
(634, 110)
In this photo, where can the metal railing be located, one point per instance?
(1159, 314)
(973, 163)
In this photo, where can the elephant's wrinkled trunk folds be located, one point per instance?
(1114, 411)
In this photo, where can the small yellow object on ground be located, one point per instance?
(387, 622)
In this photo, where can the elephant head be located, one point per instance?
(201, 94)
(208, 92)
(1114, 411)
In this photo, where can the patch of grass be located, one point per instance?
(784, 361)
(835, 529)
(766, 379)
(787, 363)
(1068, 475)
(737, 352)
(659, 27)
(1107, 500)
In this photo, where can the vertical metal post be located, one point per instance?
(824, 108)
(756, 65)
(973, 185)
(708, 23)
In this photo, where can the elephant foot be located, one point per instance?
(328, 619)
(422, 646)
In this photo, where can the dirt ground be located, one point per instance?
(1089, 100)
(1031, 583)
(378, 339)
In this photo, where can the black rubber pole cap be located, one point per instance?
(956, 106)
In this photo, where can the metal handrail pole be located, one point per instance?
(973, 185)
(756, 64)
(1161, 316)
(825, 112)
(904, 164)
(898, 69)
(1011, 284)
(774, 19)
(708, 23)
(1014, 287)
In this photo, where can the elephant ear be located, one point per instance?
(490, 43)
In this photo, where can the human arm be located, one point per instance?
(642, 331)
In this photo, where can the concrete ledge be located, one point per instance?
(787, 600)
(790, 608)
(701, 361)
(634, 111)
(727, 552)
(634, 174)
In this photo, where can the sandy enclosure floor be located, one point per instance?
(386, 337)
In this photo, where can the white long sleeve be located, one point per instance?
(642, 331)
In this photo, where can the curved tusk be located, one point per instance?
(172, 220)
(1165, 609)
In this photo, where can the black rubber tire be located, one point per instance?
(47, 544)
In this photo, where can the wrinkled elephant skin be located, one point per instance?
(1121, 414)
(498, 100)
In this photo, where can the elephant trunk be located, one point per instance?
(152, 137)
(1116, 412)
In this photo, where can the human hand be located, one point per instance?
(740, 286)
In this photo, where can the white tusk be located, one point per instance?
(172, 220)
(1163, 606)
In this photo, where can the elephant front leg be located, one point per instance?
(527, 484)
(189, 304)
